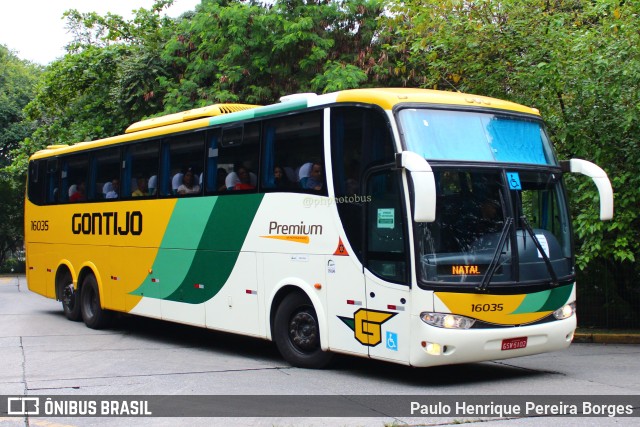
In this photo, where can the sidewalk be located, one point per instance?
(606, 336)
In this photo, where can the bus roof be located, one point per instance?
(390, 97)
(185, 116)
(219, 114)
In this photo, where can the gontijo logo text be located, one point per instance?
(107, 223)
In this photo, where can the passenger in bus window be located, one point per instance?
(177, 181)
(153, 185)
(115, 188)
(280, 179)
(142, 190)
(189, 185)
(244, 178)
(303, 173)
(291, 174)
(232, 179)
(79, 193)
(73, 190)
(220, 179)
(106, 188)
(315, 181)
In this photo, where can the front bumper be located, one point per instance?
(477, 345)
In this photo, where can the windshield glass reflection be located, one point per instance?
(469, 234)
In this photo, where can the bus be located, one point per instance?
(412, 226)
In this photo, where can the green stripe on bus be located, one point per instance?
(219, 248)
(548, 300)
(184, 232)
(558, 298)
(532, 302)
(232, 117)
(282, 107)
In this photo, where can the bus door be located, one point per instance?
(386, 267)
(347, 301)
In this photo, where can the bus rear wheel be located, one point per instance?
(69, 297)
(297, 333)
(93, 314)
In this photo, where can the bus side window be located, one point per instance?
(215, 172)
(53, 184)
(141, 162)
(182, 155)
(238, 154)
(37, 180)
(74, 178)
(291, 146)
(105, 168)
(386, 254)
(360, 140)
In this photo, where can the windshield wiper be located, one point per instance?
(493, 266)
(545, 257)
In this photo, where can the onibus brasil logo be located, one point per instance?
(367, 325)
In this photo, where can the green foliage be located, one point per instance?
(108, 80)
(232, 51)
(576, 61)
(17, 85)
(93, 30)
(11, 202)
(13, 266)
(74, 102)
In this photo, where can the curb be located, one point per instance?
(600, 338)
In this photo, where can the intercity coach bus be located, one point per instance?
(412, 226)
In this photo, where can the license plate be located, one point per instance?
(514, 343)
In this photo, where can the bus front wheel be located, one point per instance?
(297, 333)
(93, 315)
(69, 297)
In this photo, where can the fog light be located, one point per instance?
(433, 349)
(565, 311)
(446, 320)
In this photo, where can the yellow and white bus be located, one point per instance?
(412, 226)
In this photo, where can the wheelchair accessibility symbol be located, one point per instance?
(513, 178)
(392, 341)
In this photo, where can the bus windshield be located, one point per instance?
(469, 235)
(474, 136)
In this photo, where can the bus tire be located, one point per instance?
(94, 316)
(69, 297)
(297, 333)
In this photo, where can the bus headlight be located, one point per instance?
(447, 320)
(565, 311)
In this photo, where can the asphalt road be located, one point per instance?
(43, 354)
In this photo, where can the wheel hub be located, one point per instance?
(67, 294)
(303, 331)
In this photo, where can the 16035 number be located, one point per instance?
(40, 225)
(476, 308)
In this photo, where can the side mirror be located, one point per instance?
(601, 180)
(424, 185)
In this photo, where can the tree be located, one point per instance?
(578, 62)
(233, 51)
(135, 86)
(11, 217)
(107, 80)
(17, 85)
